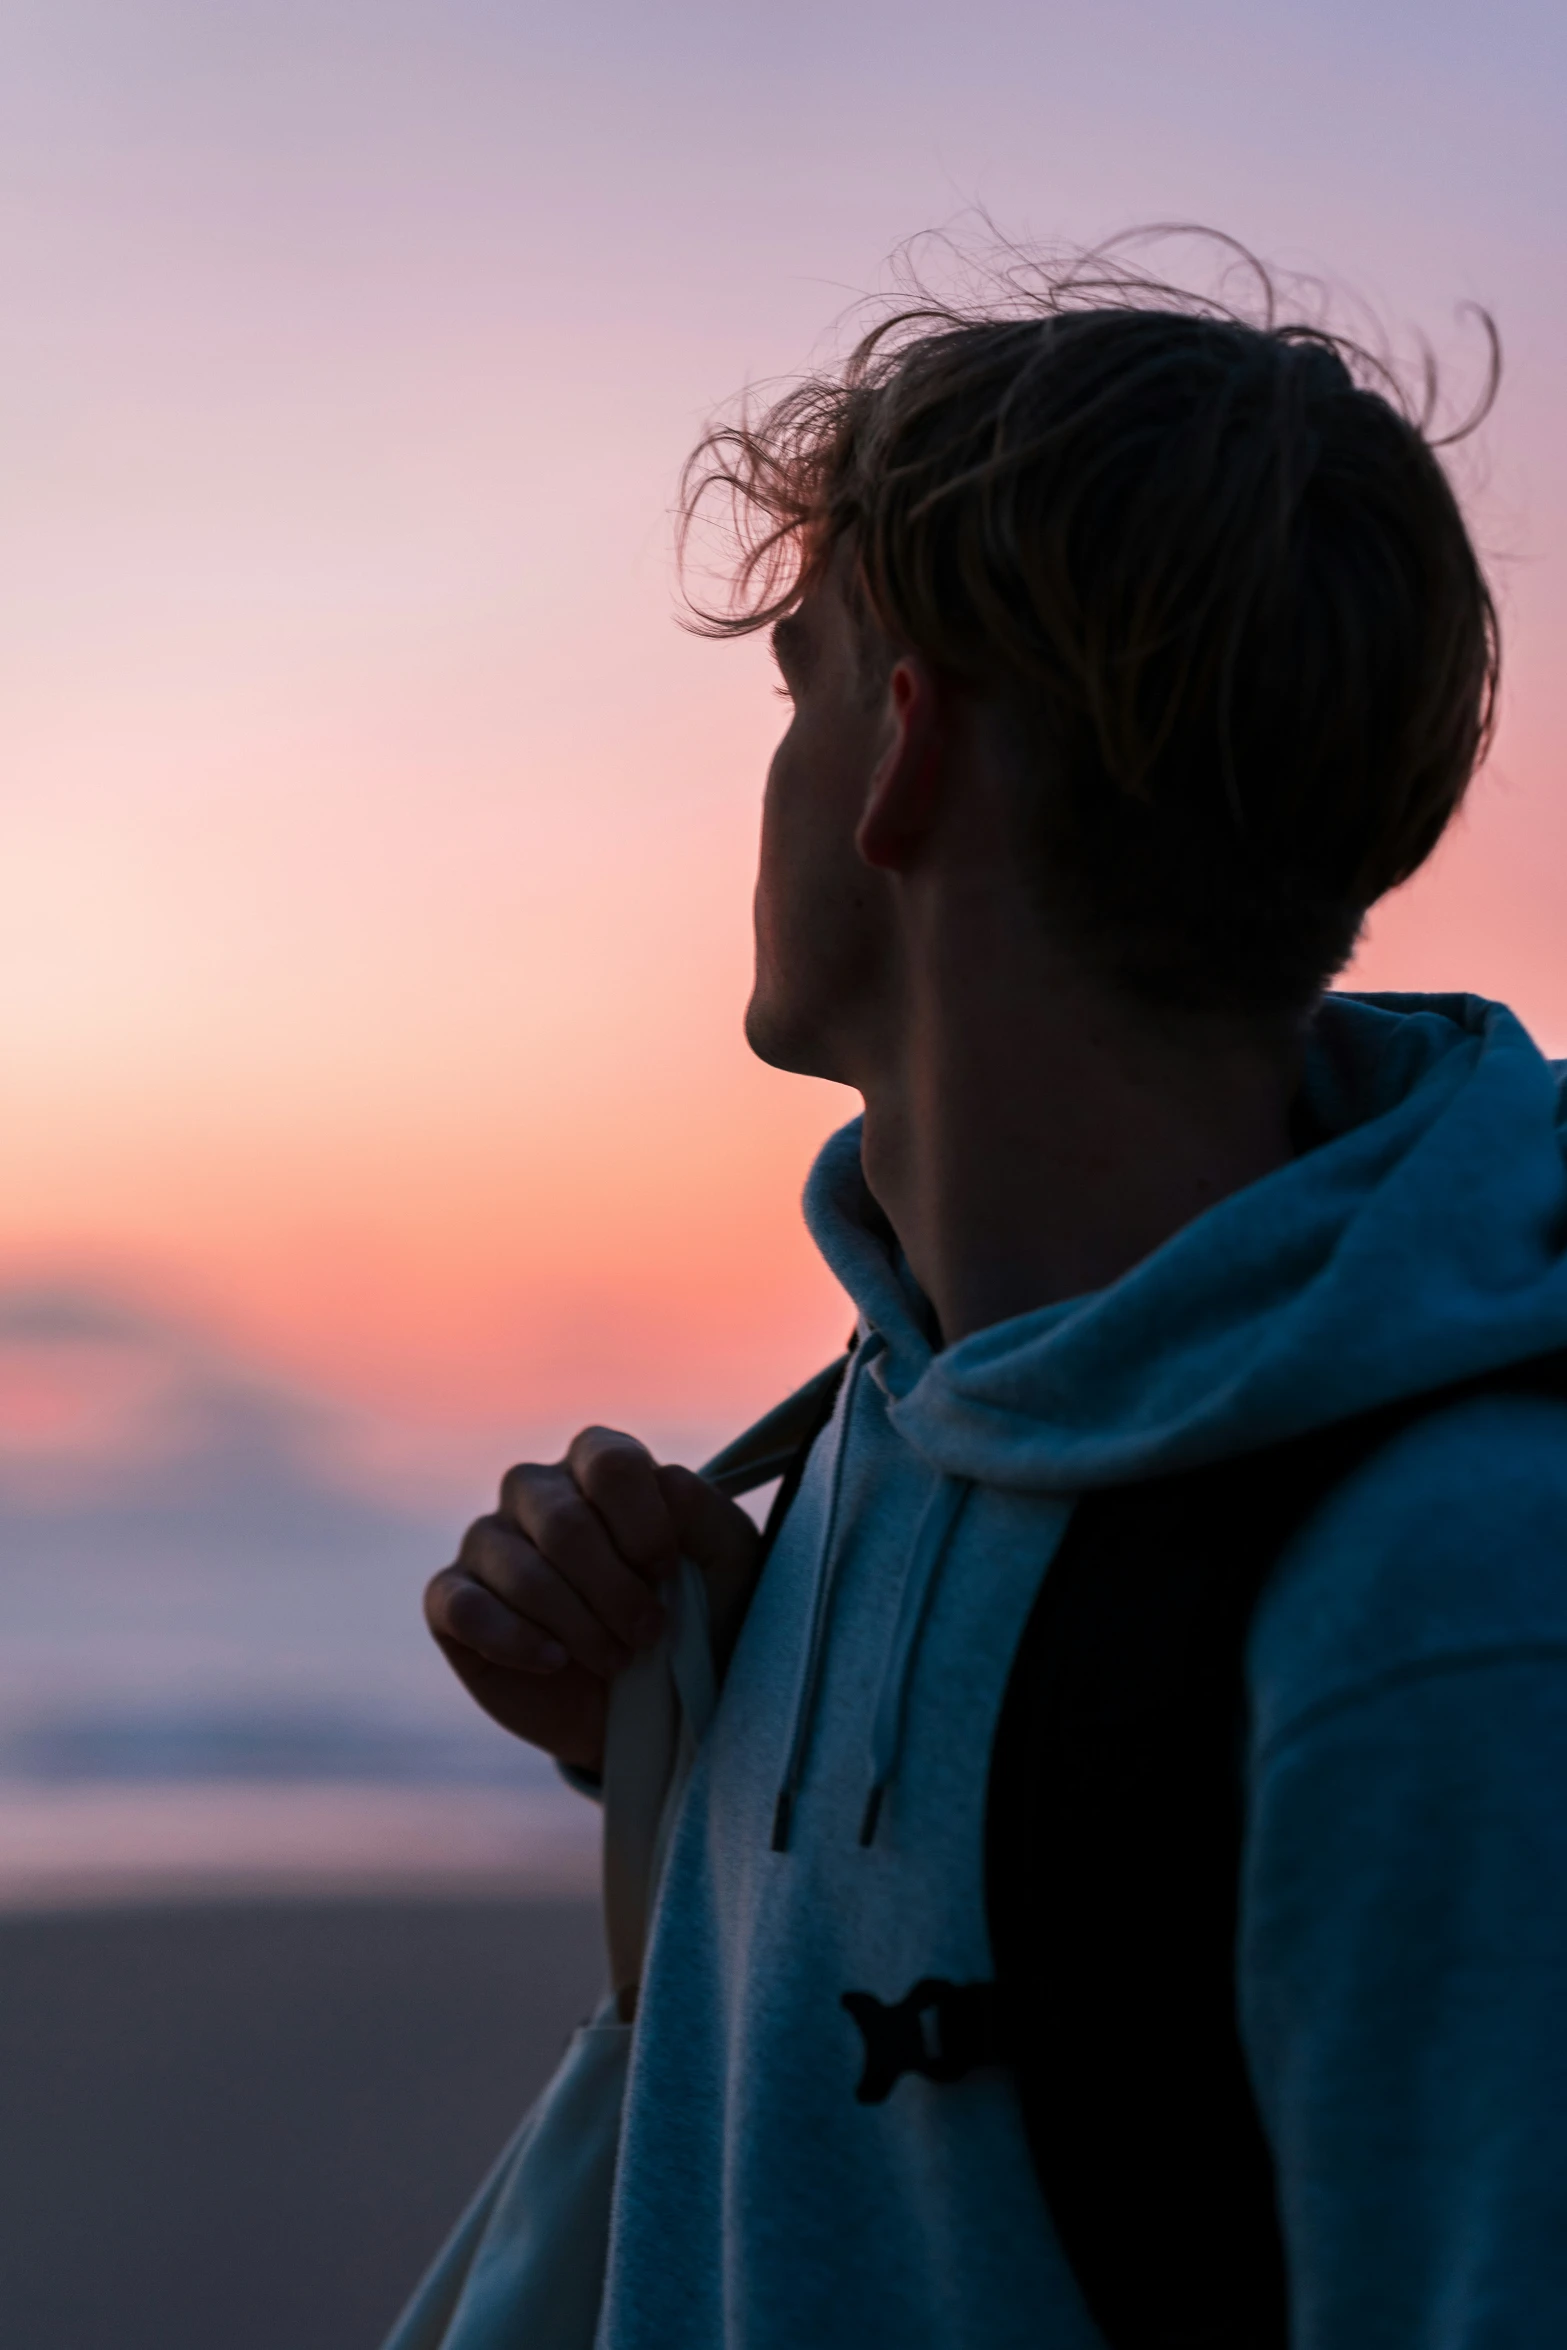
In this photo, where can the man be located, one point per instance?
(1133, 651)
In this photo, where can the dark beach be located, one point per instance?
(246, 2126)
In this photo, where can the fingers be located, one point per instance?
(601, 1521)
(583, 1596)
(564, 1711)
(621, 1480)
(717, 1536)
(549, 1596)
(712, 1531)
(560, 1575)
(460, 1607)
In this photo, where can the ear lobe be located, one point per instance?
(904, 790)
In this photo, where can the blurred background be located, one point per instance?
(375, 858)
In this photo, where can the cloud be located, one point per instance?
(107, 1406)
(191, 1596)
(53, 1313)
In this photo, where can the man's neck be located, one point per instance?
(1038, 1145)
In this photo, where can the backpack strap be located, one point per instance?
(779, 1444)
(1113, 1854)
(826, 1385)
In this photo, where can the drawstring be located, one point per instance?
(936, 1529)
(892, 1704)
(816, 1646)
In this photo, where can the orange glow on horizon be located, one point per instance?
(375, 852)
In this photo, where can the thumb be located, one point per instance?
(717, 1536)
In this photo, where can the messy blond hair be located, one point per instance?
(1206, 549)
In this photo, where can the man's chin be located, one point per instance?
(779, 1041)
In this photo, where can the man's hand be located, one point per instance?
(551, 1596)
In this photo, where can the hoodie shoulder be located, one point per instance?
(1447, 1547)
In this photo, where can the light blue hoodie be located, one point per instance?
(1403, 1948)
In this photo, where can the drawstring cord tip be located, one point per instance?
(872, 1815)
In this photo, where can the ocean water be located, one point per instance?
(197, 1692)
(214, 1672)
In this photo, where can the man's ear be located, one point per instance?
(905, 786)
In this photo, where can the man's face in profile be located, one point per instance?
(821, 936)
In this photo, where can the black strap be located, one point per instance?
(824, 1389)
(1113, 1854)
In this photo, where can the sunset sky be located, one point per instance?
(375, 851)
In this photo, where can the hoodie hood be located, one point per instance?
(1423, 1240)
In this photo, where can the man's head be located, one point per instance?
(1208, 574)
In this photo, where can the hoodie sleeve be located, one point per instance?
(1403, 1961)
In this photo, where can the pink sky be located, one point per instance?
(374, 852)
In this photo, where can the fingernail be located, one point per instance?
(551, 1656)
